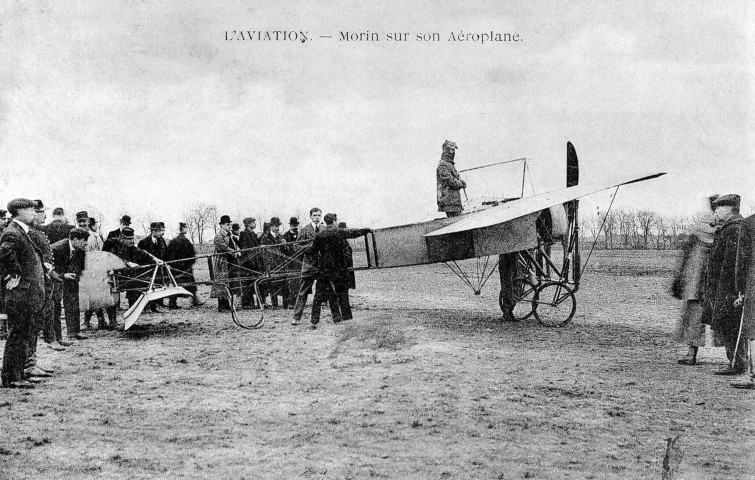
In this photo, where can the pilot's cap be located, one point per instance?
(731, 199)
(449, 145)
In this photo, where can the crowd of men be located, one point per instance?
(41, 264)
(325, 259)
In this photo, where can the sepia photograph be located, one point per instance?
(256, 239)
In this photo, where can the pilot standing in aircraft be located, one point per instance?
(449, 183)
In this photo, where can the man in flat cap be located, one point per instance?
(250, 261)
(726, 282)
(221, 260)
(332, 268)
(449, 182)
(23, 274)
(155, 245)
(82, 219)
(125, 223)
(181, 251)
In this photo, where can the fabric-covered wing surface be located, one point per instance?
(519, 208)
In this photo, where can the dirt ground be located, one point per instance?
(425, 382)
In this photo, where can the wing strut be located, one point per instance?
(605, 217)
(481, 275)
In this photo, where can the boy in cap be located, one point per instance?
(69, 263)
(94, 244)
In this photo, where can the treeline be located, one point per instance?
(637, 229)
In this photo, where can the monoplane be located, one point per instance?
(541, 230)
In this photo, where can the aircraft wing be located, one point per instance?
(525, 206)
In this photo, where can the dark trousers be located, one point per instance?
(57, 308)
(111, 316)
(247, 294)
(20, 320)
(100, 317)
(132, 296)
(325, 289)
(305, 288)
(49, 333)
(343, 301)
(507, 269)
(37, 326)
(71, 306)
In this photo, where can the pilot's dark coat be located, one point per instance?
(449, 184)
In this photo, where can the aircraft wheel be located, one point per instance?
(554, 304)
(524, 291)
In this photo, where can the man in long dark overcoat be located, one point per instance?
(181, 248)
(155, 245)
(726, 281)
(23, 274)
(250, 261)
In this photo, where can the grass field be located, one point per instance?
(425, 382)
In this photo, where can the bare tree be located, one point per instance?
(677, 224)
(661, 225)
(611, 221)
(644, 221)
(199, 219)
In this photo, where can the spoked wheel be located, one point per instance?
(524, 291)
(554, 304)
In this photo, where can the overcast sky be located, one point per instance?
(144, 107)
